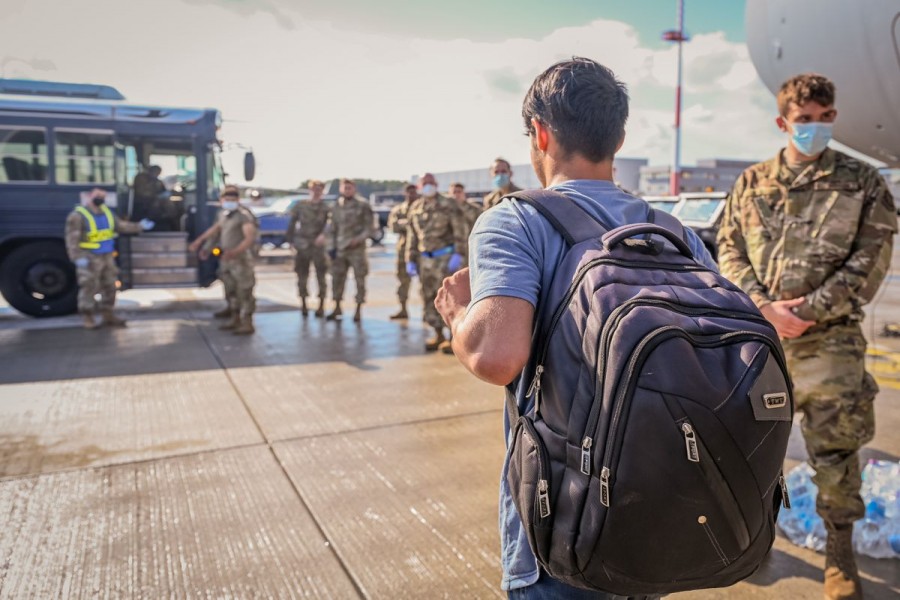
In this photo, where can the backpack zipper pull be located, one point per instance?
(586, 455)
(544, 498)
(536, 382)
(690, 442)
(604, 487)
(785, 497)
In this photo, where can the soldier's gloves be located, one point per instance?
(455, 263)
(82, 263)
(147, 224)
(332, 254)
(411, 269)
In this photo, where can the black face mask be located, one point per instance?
(98, 201)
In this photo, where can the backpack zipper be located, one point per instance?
(637, 356)
(576, 282)
(606, 334)
(543, 460)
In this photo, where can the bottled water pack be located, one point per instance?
(877, 534)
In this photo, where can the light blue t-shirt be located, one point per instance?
(513, 251)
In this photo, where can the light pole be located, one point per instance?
(677, 36)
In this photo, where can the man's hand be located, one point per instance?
(320, 241)
(780, 314)
(147, 224)
(454, 296)
(203, 254)
(195, 245)
(82, 262)
(412, 270)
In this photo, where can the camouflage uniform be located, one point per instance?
(493, 199)
(397, 222)
(351, 221)
(101, 274)
(312, 217)
(237, 274)
(825, 234)
(435, 224)
(471, 210)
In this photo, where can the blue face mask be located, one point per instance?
(811, 138)
(501, 180)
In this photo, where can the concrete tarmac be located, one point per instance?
(313, 459)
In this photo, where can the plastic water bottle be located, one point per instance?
(877, 534)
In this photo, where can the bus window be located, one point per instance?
(84, 157)
(23, 155)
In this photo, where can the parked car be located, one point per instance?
(664, 203)
(702, 212)
(274, 219)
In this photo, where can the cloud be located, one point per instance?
(315, 100)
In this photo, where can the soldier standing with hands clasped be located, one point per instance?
(809, 235)
(351, 226)
(91, 231)
(306, 235)
(436, 246)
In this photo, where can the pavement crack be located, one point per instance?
(357, 585)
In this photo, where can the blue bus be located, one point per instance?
(58, 141)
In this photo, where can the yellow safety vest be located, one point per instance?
(95, 236)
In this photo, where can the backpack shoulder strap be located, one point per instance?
(569, 219)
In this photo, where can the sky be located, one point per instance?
(393, 88)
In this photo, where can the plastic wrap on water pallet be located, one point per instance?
(876, 535)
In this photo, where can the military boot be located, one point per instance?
(433, 343)
(320, 312)
(245, 326)
(87, 318)
(357, 316)
(111, 320)
(446, 347)
(337, 314)
(841, 577)
(232, 323)
(303, 310)
(225, 313)
(401, 314)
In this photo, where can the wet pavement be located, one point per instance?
(311, 460)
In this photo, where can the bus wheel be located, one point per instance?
(37, 279)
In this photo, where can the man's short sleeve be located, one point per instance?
(505, 255)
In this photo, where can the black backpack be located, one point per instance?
(651, 461)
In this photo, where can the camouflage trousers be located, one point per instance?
(238, 278)
(432, 272)
(404, 279)
(835, 395)
(99, 277)
(341, 265)
(302, 260)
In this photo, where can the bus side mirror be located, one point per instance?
(249, 166)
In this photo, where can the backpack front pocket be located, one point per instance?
(529, 481)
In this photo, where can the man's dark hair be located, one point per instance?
(502, 160)
(583, 104)
(800, 89)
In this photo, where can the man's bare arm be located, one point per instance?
(491, 338)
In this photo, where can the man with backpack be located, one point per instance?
(574, 115)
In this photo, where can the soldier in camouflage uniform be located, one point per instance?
(91, 231)
(233, 235)
(352, 222)
(501, 173)
(397, 222)
(436, 246)
(471, 209)
(808, 235)
(308, 240)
